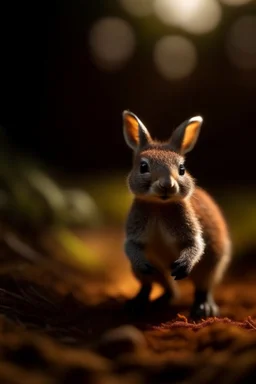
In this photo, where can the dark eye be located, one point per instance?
(181, 170)
(144, 168)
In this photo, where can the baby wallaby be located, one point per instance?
(174, 228)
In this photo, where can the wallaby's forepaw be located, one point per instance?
(180, 269)
(201, 311)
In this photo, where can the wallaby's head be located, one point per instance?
(158, 169)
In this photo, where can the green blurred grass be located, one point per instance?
(239, 207)
(112, 196)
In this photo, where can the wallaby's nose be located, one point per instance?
(166, 184)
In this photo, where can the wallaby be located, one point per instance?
(174, 228)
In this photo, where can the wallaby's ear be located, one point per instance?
(185, 136)
(135, 133)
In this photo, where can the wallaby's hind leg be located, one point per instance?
(142, 296)
(170, 289)
(206, 274)
(139, 302)
(204, 305)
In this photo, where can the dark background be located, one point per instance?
(57, 104)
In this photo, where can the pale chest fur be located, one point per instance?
(161, 242)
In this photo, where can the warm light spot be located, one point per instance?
(112, 43)
(235, 2)
(175, 57)
(241, 43)
(139, 8)
(195, 16)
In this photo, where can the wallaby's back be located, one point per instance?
(213, 224)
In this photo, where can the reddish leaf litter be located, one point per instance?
(92, 335)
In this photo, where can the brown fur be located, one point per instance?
(216, 236)
(173, 225)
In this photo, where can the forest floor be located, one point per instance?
(93, 337)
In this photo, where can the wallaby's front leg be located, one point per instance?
(135, 252)
(170, 288)
(191, 253)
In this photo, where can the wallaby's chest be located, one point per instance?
(160, 240)
(159, 231)
(159, 227)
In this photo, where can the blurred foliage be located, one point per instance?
(26, 192)
(72, 251)
(29, 193)
(112, 196)
(239, 206)
(31, 203)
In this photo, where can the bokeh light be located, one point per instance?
(112, 43)
(241, 43)
(175, 57)
(235, 2)
(139, 8)
(194, 16)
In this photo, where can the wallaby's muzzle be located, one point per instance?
(166, 187)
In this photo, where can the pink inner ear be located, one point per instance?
(191, 134)
(132, 128)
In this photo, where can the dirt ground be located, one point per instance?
(91, 335)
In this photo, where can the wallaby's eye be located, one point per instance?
(144, 168)
(181, 169)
